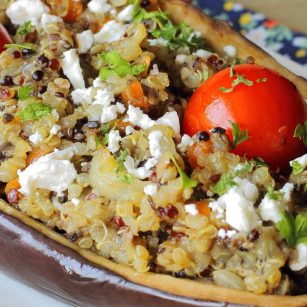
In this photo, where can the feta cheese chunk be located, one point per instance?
(270, 209)
(21, 11)
(72, 69)
(204, 54)
(170, 119)
(36, 138)
(181, 58)
(53, 172)
(185, 143)
(126, 13)
(299, 259)
(55, 129)
(230, 50)
(151, 189)
(48, 18)
(75, 201)
(237, 206)
(110, 113)
(99, 6)
(104, 97)
(155, 138)
(191, 209)
(301, 160)
(114, 139)
(159, 42)
(139, 172)
(112, 31)
(138, 118)
(85, 41)
(80, 96)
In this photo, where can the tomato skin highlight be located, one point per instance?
(270, 110)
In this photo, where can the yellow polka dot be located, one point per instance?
(300, 53)
(245, 19)
(228, 5)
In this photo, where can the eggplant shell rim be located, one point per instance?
(166, 283)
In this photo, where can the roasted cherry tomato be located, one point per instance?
(260, 100)
(4, 38)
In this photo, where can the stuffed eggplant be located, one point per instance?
(149, 155)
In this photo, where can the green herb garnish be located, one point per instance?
(187, 182)
(275, 195)
(25, 29)
(114, 64)
(176, 35)
(297, 168)
(301, 132)
(226, 181)
(121, 171)
(33, 111)
(238, 135)
(102, 137)
(25, 92)
(293, 230)
(21, 46)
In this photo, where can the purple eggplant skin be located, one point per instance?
(34, 259)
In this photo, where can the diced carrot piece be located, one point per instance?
(11, 191)
(11, 185)
(69, 10)
(203, 207)
(199, 148)
(36, 153)
(74, 11)
(134, 95)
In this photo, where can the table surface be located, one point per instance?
(289, 12)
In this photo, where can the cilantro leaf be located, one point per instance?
(33, 111)
(24, 92)
(25, 29)
(186, 181)
(293, 230)
(301, 132)
(115, 64)
(21, 46)
(238, 135)
(297, 168)
(226, 181)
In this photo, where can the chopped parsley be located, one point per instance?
(33, 111)
(25, 92)
(187, 182)
(176, 35)
(21, 46)
(238, 135)
(114, 64)
(25, 29)
(121, 171)
(297, 168)
(102, 137)
(293, 230)
(275, 195)
(301, 132)
(226, 181)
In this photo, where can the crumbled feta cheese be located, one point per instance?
(204, 54)
(141, 172)
(159, 42)
(104, 97)
(155, 70)
(230, 50)
(191, 209)
(110, 113)
(237, 206)
(126, 13)
(75, 201)
(48, 18)
(98, 83)
(55, 129)
(129, 130)
(112, 31)
(82, 95)
(151, 189)
(72, 69)
(185, 143)
(85, 41)
(301, 160)
(36, 138)
(270, 209)
(155, 138)
(99, 6)
(138, 118)
(114, 140)
(299, 259)
(53, 172)
(21, 11)
(181, 58)
(223, 234)
(170, 119)
(55, 114)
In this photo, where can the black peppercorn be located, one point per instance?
(144, 3)
(218, 130)
(203, 136)
(26, 52)
(6, 80)
(43, 60)
(38, 75)
(43, 89)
